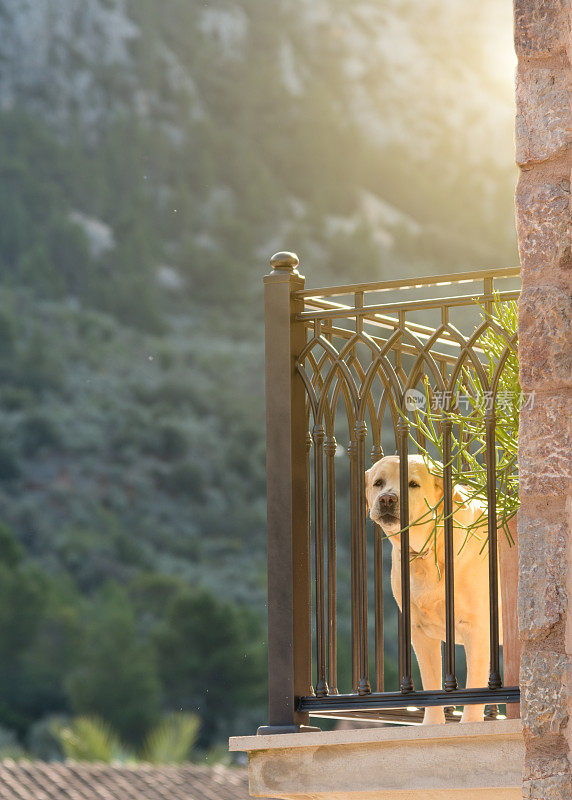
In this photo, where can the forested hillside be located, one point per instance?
(153, 155)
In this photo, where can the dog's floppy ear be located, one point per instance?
(365, 493)
(469, 512)
(438, 483)
(460, 494)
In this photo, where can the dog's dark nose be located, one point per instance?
(388, 499)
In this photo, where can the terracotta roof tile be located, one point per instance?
(72, 780)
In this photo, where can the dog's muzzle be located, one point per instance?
(387, 507)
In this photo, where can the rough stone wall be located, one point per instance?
(544, 154)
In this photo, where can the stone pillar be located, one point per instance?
(543, 153)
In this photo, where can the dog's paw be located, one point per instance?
(434, 715)
(473, 714)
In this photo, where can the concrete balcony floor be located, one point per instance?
(472, 761)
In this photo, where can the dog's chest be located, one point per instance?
(427, 592)
(427, 595)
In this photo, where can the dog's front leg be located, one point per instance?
(428, 652)
(477, 652)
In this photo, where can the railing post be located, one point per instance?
(289, 640)
(508, 565)
(405, 676)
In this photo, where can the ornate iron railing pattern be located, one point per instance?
(350, 365)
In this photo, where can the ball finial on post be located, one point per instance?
(284, 262)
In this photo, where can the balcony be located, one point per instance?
(343, 365)
(472, 761)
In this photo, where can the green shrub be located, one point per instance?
(16, 398)
(39, 367)
(168, 442)
(186, 479)
(115, 676)
(210, 658)
(37, 432)
(10, 469)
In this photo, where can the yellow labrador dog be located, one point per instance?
(427, 587)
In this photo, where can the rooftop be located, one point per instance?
(37, 780)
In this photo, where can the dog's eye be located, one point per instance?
(379, 482)
(413, 485)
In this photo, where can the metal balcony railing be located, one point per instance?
(338, 373)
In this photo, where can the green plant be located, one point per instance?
(171, 741)
(89, 738)
(468, 425)
(115, 673)
(37, 432)
(92, 739)
(211, 657)
(10, 468)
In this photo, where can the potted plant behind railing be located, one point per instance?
(468, 437)
(497, 342)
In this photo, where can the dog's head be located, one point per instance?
(425, 493)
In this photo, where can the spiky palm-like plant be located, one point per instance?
(89, 738)
(172, 740)
(468, 438)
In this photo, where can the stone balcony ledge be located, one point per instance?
(473, 761)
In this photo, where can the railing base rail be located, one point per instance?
(422, 699)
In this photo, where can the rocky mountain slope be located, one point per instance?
(153, 155)
(428, 83)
